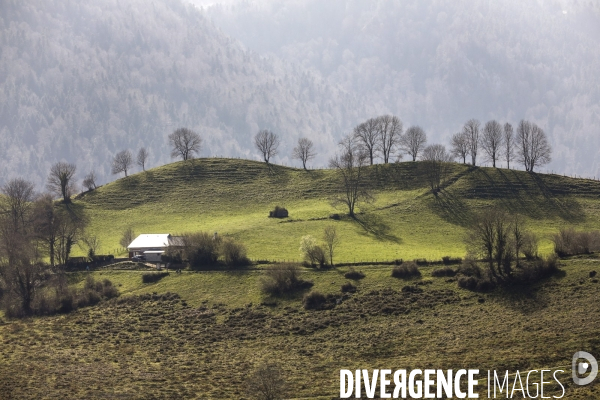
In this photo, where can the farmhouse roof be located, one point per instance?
(155, 240)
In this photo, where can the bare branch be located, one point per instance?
(60, 180)
(471, 130)
(122, 162)
(367, 134)
(492, 141)
(304, 151)
(509, 144)
(435, 161)
(142, 157)
(350, 165)
(89, 182)
(534, 149)
(390, 132)
(460, 146)
(185, 143)
(267, 143)
(413, 141)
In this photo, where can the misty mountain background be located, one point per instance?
(81, 80)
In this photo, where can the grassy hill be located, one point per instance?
(233, 197)
(201, 334)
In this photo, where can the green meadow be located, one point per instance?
(404, 221)
(199, 335)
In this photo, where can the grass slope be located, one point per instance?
(205, 342)
(233, 197)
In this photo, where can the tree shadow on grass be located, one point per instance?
(568, 209)
(451, 208)
(376, 225)
(527, 298)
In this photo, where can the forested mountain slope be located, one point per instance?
(440, 63)
(81, 80)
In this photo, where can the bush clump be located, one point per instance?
(57, 298)
(283, 279)
(150, 277)
(412, 289)
(278, 212)
(447, 260)
(469, 267)
(445, 271)
(568, 242)
(406, 270)
(476, 284)
(234, 254)
(314, 300)
(312, 252)
(537, 270)
(354, 275)
(348, 287)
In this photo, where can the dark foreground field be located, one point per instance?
(159, 346)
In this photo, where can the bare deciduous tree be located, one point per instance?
(22, 279)
(534, 149)
(19, 195)
(413, 141)
(435, 161)
(60, 180)
(489, 238)
(267, 143)
(390, 131)
(509, 144)
(460, 146)
(367, 135)
(185, 143)
(89, 182)
(266, 383)
(492, 140)
(142, 157)
(46, 222)
(122, 162)
(471, 131)
(350, 165)
(127, 237)
(332, 240)
(71, 230)
(304, 151)
(93, 244)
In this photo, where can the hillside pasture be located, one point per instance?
(405, 221)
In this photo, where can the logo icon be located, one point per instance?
(580, 368)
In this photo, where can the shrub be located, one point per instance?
(354, 275)
(447, 260)
(530, 246)
(282, 279)
(314, 300)
(406, 270)
(201, 249)
(445, 271)
(278, 212)
(537, 270)
(412, 289)
(348, 288)
(150, 277)
(312, 252)
(476, 284)
(469, 267)
(570, 242)
(234, 254)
